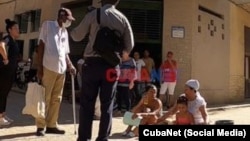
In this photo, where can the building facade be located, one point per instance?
(210, 38)
(210, 45)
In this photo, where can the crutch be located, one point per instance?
(73, 101)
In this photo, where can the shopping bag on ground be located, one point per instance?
(35, 100)
(127, 119)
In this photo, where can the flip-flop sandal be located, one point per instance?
(125, 133)
(131, 134)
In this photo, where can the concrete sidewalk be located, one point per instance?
(245, 103)
(23, 128)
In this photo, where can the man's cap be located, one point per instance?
(67, 12)
(193, 83)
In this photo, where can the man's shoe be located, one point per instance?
(8, 119)
(4, 122)
(40, 132)
(54, 131)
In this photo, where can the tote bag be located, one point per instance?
(35, 100)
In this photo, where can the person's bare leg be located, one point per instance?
(147, 120)
(170, 101)
(136, 131)
(162, 97)
(128, 129)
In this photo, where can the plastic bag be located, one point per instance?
(35, 100)
(127, 119)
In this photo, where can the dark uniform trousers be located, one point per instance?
(97, 74)
(139, 89)
(7, 75)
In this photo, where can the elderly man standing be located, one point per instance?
(53, 60)
(95, 69)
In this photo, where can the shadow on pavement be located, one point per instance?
(17, 135)
(16, 103)
(120, 137)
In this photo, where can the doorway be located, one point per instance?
(247, 76)
(247, 62)
(154, 49)
(20, 44)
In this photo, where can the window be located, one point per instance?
(20, 44)
(145, 17)
(22, 20)
(35, 20)
(32, 46)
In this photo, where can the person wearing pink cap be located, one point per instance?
(196, 103)
(53, 61)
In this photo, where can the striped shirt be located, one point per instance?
(127, 72)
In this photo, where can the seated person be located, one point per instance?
(196, 104)
(183, 116)
(148, 109)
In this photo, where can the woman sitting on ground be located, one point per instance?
(196, 104)
(148, 109)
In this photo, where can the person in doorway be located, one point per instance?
(149, 62)
(196, 104)
(33, 68)
(142, 77)
(8, 70)
(53, 61)
(95, 69)
(125, 83)
(168, 78)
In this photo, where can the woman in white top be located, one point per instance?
(196, 103)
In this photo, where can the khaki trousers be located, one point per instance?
(53, 84)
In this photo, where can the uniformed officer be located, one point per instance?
(95, 69)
